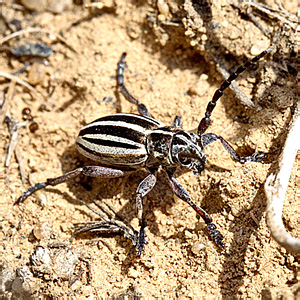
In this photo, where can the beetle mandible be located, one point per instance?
(122, 143)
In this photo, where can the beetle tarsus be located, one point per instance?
(30, 191)
(141, 237)
(215, 234)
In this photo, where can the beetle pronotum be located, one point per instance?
(122, 143)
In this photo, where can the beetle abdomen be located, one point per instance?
(118, 139)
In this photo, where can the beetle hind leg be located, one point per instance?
(92, 171)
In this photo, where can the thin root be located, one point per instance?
(276, 186)
(30, 30)
(21, 82)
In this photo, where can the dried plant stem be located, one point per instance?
(37, 29)
(276, 186)
(21, 82)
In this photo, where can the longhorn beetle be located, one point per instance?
(122, 143)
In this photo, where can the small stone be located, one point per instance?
(188, 234)
(235, 212)
(163, 8)
(260, 46)
(24, 281)
(161, 18)
(64, 262)
(36, 73)
(224, 24)
(201, 86)
(193, 43)
(197, 248)
(43, 230)
(170, 209)
(163, 222)
(41, 260)
(58, 6)
(133, 273)
(40, 256)
(230, 217)
(38, 5)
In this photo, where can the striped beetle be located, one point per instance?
(122, 143)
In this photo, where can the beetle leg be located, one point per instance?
(143, 189)
(182, 193)
(120, 80)
(93, 171)
(209, 138)
(177, 122)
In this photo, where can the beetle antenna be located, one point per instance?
(205, 122)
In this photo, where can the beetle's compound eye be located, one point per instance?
(187, 152)
(184, 159)
(191, 157)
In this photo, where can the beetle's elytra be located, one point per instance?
(123, 143)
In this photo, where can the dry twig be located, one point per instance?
(14, 127)
(21, 82)
(276, 186)
(37, 29)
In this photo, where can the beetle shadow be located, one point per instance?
(88, 189)
(121, 190)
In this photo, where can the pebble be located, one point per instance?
(38, 5)
(40, 256)
(235, 212)
(163, 7)
(40, 260)
(188, 234)
(24, 281)
(64, 263)
(133, 273)
(197, 248)
(259, 46)
(170, 209)
(201, 86)
(43, 230)
(36, 73)
(58, 6)
(55, 6)
(37, 49)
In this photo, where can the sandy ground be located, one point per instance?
(174, 59)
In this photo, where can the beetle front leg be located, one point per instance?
(209, 138)
(120, 81)
(143, 189)
(182, 193)
(92, 171)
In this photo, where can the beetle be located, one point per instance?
(122, 143)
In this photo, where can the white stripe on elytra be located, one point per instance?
(108, 137)
(118, 160)
(110, 150)
(100, 123)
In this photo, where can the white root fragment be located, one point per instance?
(14, 127)
(276, 186)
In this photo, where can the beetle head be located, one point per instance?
(186, 150)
